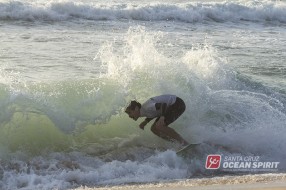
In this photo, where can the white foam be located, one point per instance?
(264, 11)
(55, 172)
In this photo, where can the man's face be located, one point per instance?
(134, 114)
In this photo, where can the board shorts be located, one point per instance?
(174, 111)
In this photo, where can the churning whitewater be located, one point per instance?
(253, 11)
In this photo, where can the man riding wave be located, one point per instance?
(166, 109)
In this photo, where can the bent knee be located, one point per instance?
(159, 127)
(154, 129)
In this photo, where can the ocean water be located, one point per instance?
(69, 68)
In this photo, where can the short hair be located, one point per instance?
(133, 104)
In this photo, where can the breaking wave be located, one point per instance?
(61, 134)
(252, 11)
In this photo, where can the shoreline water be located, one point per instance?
(245, 182)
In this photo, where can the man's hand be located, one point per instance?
(142, 125)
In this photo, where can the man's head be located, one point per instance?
(133, 110)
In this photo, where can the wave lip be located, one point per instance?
(190, 13)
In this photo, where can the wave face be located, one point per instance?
(252, 11)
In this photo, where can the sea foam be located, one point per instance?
(264, 11)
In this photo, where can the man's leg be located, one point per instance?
(158, 133)
(171, 133)
(168, 133)
(172, 114)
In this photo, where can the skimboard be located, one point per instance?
(187, 149)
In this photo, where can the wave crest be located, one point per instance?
(265, 11)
